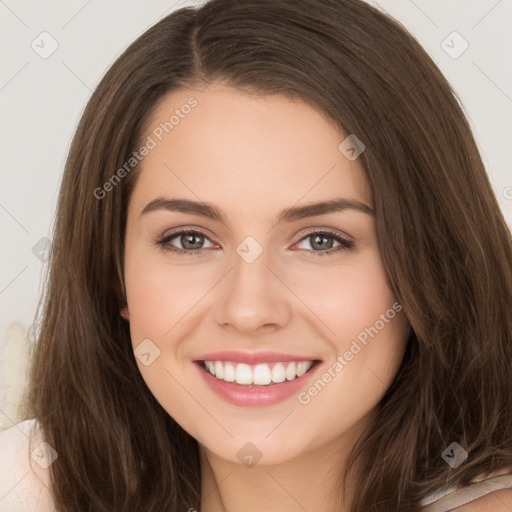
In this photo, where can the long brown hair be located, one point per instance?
(443, 240)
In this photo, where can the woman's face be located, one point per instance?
(263, 293)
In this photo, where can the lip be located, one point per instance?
(257, 396)
(252, 357)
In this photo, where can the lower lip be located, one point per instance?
(258, 396)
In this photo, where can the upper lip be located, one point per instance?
(252, 357)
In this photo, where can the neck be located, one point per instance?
(310, 481)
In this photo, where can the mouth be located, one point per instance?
(256, 385)
(257, 375)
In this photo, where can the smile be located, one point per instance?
(257, 375)
(254, 383)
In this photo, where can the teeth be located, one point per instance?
(243, 374)
(219, 370)
(291, 371)
(229, 372)
(301, 368)
(261, 375)
(278, 373)
(258, 375)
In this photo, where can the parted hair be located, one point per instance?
(443, 240)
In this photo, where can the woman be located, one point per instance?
(279, 279)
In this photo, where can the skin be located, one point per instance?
(254, 156)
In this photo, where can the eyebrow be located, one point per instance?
(291, 214)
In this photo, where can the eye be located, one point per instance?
(189, 238)
(192, 242)
(320, 240)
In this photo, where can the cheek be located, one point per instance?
(347, 297)
(160, 294)
(159, 297)
(367, 333)
(365, 360)
(361, 371)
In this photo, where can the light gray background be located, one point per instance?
(41, 101)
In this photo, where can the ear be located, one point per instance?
(125, 313)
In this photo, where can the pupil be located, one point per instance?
(191, 237)
(320, 245)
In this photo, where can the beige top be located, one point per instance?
(453, 497)
(25, 483)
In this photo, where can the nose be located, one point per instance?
(253, 297)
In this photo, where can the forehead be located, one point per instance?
(224, 145)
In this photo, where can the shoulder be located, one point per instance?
(488, 492)
(24, 473)
(495, 501)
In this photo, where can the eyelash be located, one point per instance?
(164, 243)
